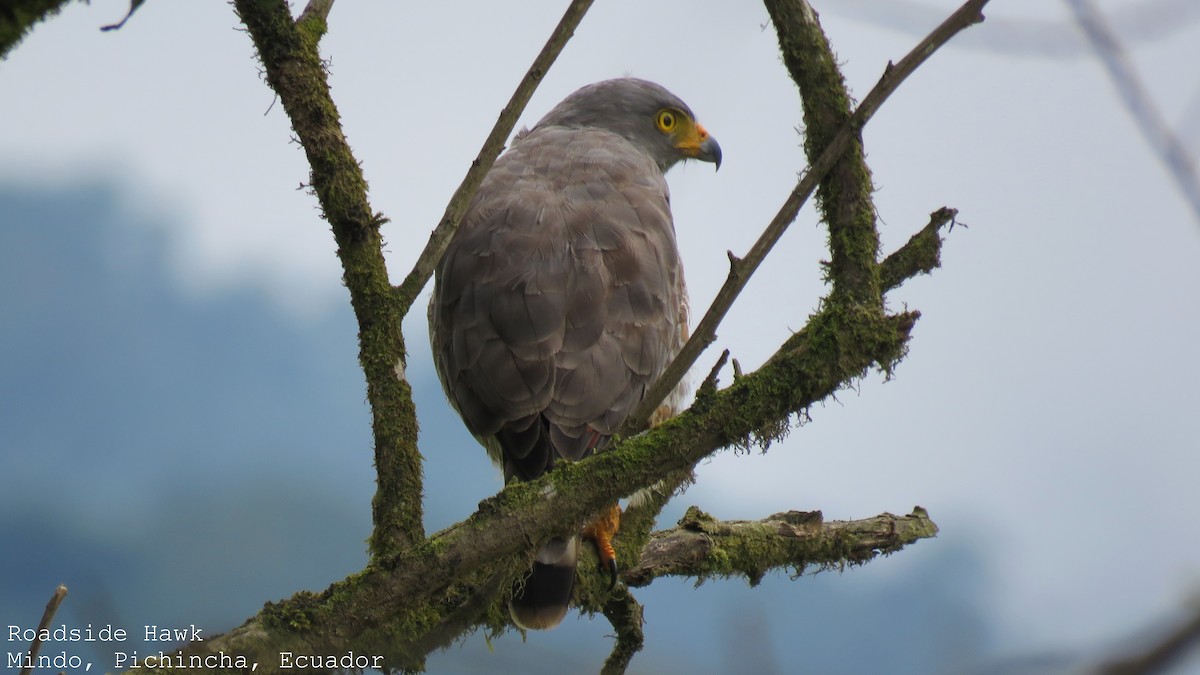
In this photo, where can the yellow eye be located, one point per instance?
(666, 121)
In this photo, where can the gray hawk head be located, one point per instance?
(653, 119)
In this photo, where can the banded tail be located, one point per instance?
(541, 600)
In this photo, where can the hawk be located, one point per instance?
(561, 298)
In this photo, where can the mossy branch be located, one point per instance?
(394, 607)
(921, 254)
(293, 68)
(625, 614)
(844, 191)
(702, 547)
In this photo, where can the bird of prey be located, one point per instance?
(561, 298)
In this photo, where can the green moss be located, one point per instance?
(294, 614)
(313, 28)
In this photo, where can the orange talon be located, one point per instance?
(601, 531)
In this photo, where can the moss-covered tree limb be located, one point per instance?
(293, 69)
(393, 607)
(625, 614)
(701, 547)
(844, 193)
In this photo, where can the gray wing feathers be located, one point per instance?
(561, 293)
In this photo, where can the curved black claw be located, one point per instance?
(610, 567)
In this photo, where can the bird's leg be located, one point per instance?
(601, 531)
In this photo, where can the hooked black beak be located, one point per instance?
(710, 151)
(699, 144)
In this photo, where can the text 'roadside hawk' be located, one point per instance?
(561, 298)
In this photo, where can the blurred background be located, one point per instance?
(183, 433)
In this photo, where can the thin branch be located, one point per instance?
(47, 617)
(1143, 22)
(1161, 656)
(740, 270)
(844, 192)
(702, 547)
(1170, 150)
(440, 238)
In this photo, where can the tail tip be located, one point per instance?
(541, 602)
(529, 617)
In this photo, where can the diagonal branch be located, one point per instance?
(1164, 655)
(741, 268)
(47, 617)
(1155, 130)
(440, 238)
(921, 254)
(625, 614)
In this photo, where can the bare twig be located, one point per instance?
(361, 613)
(1144, 22)
(440, 238)
(920, 254)
(741, 269)
(47, 617)
(1154, 128)
(710, 383)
